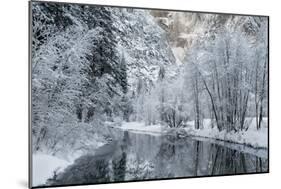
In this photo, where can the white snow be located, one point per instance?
(140, 127)
(179, 54)
(252, 137)
(44, 166)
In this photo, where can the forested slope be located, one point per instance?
(86, 63)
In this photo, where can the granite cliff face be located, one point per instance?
(186, 28)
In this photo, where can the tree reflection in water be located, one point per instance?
(228, 161)
(140, 157)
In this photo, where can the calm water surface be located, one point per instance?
(138, 156)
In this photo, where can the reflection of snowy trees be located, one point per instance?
(227, 161)
(131, 159)
(139, 169)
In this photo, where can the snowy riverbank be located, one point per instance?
(45, 163)
(44, 166)
(140, 127)
(252, 137)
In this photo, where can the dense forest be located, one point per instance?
(95, 67)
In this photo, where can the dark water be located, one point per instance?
(139, 157)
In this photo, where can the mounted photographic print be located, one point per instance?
(121, 94)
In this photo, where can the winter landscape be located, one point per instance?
(124, 94)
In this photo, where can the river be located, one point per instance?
(138, 156)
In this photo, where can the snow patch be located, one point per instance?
(252, 137)
(179, 54)
(140, 127)
(44, 166)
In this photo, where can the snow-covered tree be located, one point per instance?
(225, 66)
(78, 76)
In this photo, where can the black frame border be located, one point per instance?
(142, 8)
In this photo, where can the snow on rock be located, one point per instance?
(144, 45)
(44, 166)
(179, 54)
